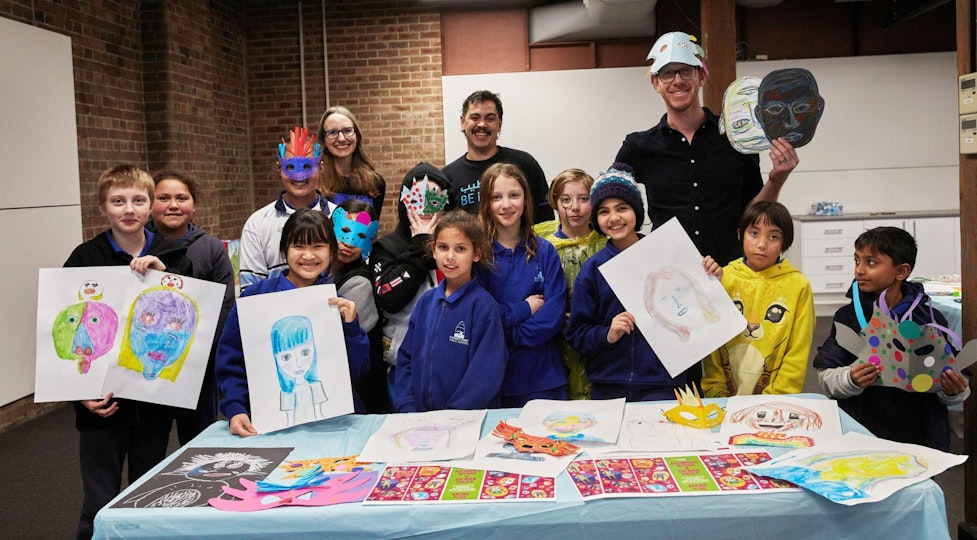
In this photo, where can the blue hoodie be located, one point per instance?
(232, 377)
(451, 357)
(535, 363)
(630, 361)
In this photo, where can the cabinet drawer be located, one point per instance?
(833, 229)
(830, 283)
(815, 266)
(829, 247)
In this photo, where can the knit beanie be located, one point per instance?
(618, 181)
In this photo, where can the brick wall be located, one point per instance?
(211, 87)
(384, 64)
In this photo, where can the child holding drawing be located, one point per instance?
(307, 245)
(770, 355)
(619, 361)
(112, 431)
(452, 356)
(529, 286)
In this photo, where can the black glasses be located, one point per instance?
(668, 76)
(347, 132)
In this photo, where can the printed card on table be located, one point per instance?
(682, 313)
(658, 475)
(436, 483)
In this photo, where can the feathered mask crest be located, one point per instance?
(306, 155)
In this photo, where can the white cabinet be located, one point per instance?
(937, 242)
(824, 249)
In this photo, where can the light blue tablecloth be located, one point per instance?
(952, 309)
(918, 511)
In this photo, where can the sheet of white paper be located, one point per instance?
(108, 329)
(80, 315)
(857, 468)
(426, 436)
(295, 355)
(682, 313)
(784, 421)
(167, 334)
(574, 421)
(495, 454)
(645, 429)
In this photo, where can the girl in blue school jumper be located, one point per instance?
(620, 363)
(308, 245)
(451, 356)
(529, 285)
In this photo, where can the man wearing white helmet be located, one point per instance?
(688, 168)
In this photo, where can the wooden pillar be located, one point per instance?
(719, 41)
(966, 52)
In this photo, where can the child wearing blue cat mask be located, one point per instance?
(355, 224)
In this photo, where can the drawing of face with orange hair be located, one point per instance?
(677, 301)
(778, 417)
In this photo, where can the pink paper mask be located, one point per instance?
(346, 488)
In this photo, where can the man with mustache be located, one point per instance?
(481, 122)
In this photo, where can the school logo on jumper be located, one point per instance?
(459, 335)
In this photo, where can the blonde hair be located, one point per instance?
(566, 177)
(123, 176)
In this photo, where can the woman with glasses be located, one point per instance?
(347, 172)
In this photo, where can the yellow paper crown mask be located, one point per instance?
(691, 412)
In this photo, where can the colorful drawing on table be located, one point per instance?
(682, 313)
(310, 472)
(85, 331)
(789, 105)
(343, 488)
(296, 374)
(910, 356)
(739, 121)
(436, 483)
(783, 421)
(427, 436)
(199, 474)
(160, 353)
(858, 468)
(596, 421)
(656, 475)
(646, 428)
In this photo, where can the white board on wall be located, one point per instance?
(887, 140)
(40, 211)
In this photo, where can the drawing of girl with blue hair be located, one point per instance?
(293, 345)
